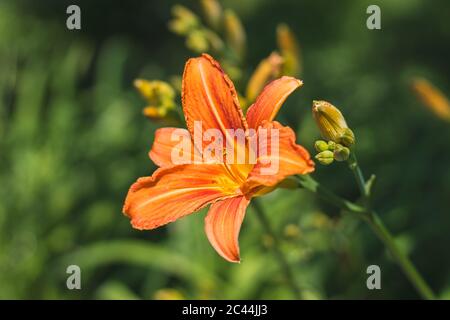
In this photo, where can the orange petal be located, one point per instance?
(270, 100)
(173, 192)
(275, 164)
(209, 96)
(172, 146)
(222, 225)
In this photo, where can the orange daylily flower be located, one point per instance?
(176, 190)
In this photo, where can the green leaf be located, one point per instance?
(139, 253)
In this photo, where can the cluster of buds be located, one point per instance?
(186, 23)
(432, 98)
(330, 151)
(223, 33)
(290, 50)
(159, 95)
(333, 127)
(198, 38)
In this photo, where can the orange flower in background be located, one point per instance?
(176, 190)
(432, 98)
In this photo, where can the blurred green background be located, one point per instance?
(73, 139)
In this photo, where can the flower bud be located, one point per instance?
(321, 145)
(432, 98)
(159, 96)
(156, 92)
(348, 138)
(154, 112)
(235, 33)
(290, 50)
(331, 145)
(341, 153)
(267, 70)
(325, 157)
(332, 123)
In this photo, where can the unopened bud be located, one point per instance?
(320, 145)
(432, 98)
(156, 92)
(267, 70)
(154, 112)
(213, 12)
(235, 33)
(332, 123)
(331, 145)
(290, 50)
(341, 153)
(325, 157)
(348, 138)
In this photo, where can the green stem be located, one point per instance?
(290, 278)
(309, 183)
(385, 236)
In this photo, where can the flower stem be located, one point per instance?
(368, 215)
(281, 258)
(309, 183)
(385, 236)
(359, 177)
(402, 259)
